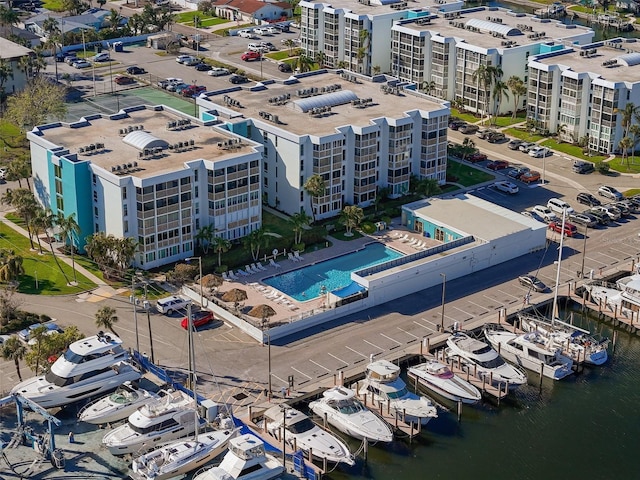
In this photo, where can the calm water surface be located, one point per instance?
(584, 427)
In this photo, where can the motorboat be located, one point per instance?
(483, 361)
(245, 460)
(574, 342)
(383, 385)
(623, 297)
(178, 458)
(529, 350)
(89, 367)
(160, 421)
(116, 406)
(438, 378)
(340, 407)
(302, 433)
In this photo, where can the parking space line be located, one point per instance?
(459, 309)
(392, 339)
(424, 326)
(283, 381)
(355, 351)
(337, 358)
(301, 373)
(373, 345)
(506, 293)
(409, 333)
(321, 366)
(430, 323)
(478, 305)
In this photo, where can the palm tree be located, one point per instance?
(303, 63)
(45, 221)
(351, 217)
(518, 89)
(320, 58)
(255, 241)
(363, 37)
(10, 265)
(204, 236)
(105, 318)
(37, 227)
(114, 19)
(18, 169)
(6, 72)
(124, 251)
(298, 222)
(625, 144)
(468, 147)
(634, 131)
(428, 86)
(13, 349)
(627, 113)
(69, 230)
(52, 29)
(315, 187)
(499, 93)
(25, 204)
(220, 245)
(290, 44)
(8, 18)
(482, 77)
(428, 187)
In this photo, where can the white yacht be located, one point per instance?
(383, 384)
(623, 297)
(438, 377)
(116, 406)
(163, 420)
(344, 411)
(530, 350)
(178, 458)
(245, 460)
(574, 342)
(483, 361)
(89, 367)
(302, 433)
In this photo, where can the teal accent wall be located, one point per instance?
(207, 117)
(429, 228)
(76, 195)
(544, 48)
(238, 128)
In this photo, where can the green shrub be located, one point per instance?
(603, 167)
(386, 219)
(368, 227)
(299, 246)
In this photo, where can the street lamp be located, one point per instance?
(200, 267)
(444, 288)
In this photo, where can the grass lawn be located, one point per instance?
(341, 235)
(523, 134)
(631, 192)
(209, 22)
(53, 5)
(185, 17)
(620, 165)
(281, 55)
(508, 121)
(467, 175)
(50, 279)
(572, 150)
(224, 32)
(467, 117)
(13, 143)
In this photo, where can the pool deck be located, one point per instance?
(287, 308)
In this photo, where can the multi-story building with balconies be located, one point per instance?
(152, 174)
(580, 92)
(358, 134)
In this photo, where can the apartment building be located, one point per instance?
(579, 92)
(356, 34)
(359, 135)
(442, 52)
(149, 173)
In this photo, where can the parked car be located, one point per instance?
(202, 67)
(611, 212)
(569, 229)
(518, 172)
(270, 47)
(101, 57)
(249, 56)
(484, 132)
(71, 59)
(477, 157)
(530, 177)
(498, 165)
(123, 80)
(506, 187)
(135, 70)
(285, 67)
(625, 211)
(532, 282)
(600, 214)
(588, 199)
(533, 215)
(558, 206)
(191, 62)
(198, 319)
(218, 72)
(183, 58)
(540, 152)
(495, 137)
(193, 90)
(271, 30)
(514, 144)
(609, 192)
(259, 31)
(282, 27)
(245, 34)
(235, 79)
(544, 212)
(585, 219)
(583, 167)
(526, 146)
(3, 172)
(456, 124)
(468, 128)
(80, 64)
(171, 304)
(176, 87)
(634, 207)
(169, 81)
(25, 335)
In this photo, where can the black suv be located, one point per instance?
(588, 199)
(235, 78)
(134, 70)
(284, 67)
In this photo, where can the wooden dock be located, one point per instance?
(629, 322)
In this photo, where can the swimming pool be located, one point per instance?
(305, 283)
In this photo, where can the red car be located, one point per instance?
(530, 177)
(192, 90)
(199, 319)
(569, 229)
(477, 157)
(498, 165)
(247, 56)
(123, 80)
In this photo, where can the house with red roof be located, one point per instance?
(253, 11)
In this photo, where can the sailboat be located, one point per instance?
(178, 458)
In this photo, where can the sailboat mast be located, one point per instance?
(192, 366)
(554, 313)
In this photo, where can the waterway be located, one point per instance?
(584, 426)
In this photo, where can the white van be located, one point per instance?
(245, 34)
(558, 206)
(256, 47)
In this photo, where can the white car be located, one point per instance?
(545, 213)
(539, 152)
(171, 304)
(183, 58)
(609, 192)
(245, 34)
(218, 72)
(506, 187)
(101, 57)
(259, 31)
(272, 30)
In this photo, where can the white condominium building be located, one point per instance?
(441, 53)
(356, 34)
(152, 174)
(357, 134)
(580, 92)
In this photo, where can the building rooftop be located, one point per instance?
(615, 60)
(9, 49)
(492, 27)
(378, 7)
(121, 139)
(317, 103)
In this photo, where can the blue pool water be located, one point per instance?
(305, 283)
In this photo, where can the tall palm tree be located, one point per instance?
(124, 252)
(8, 18)
(304, 63)
(13, 349)
(37, 227)
(298, 222)
(204, 236)
(315, 187)
(320, 58)
(220, 245)
(518, 89)
(19, 168)
(6, 72)
(25, 204)
(105, 318)
(256, 240)
(428, 86)
(634, 131)
(363, 49)
(10, 266)
(428, 187)
(468, 147)
(52, 29)
(625, 144)
(290, 44)
(69, 231)
(351, 216)
(499, 92)
(482, 77)
(627, 114)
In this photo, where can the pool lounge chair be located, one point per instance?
(247, 269)
(254, 269)
(297, 255)
(243, 273)
(405, 238)
(274, 264)
(292, 258)
(224, 276)
(418, 245)
(273, 294)
(232, 275)
(259, 266)
(413, 241)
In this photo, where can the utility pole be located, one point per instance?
(132, 298)
(444, 287)
(147, 307)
